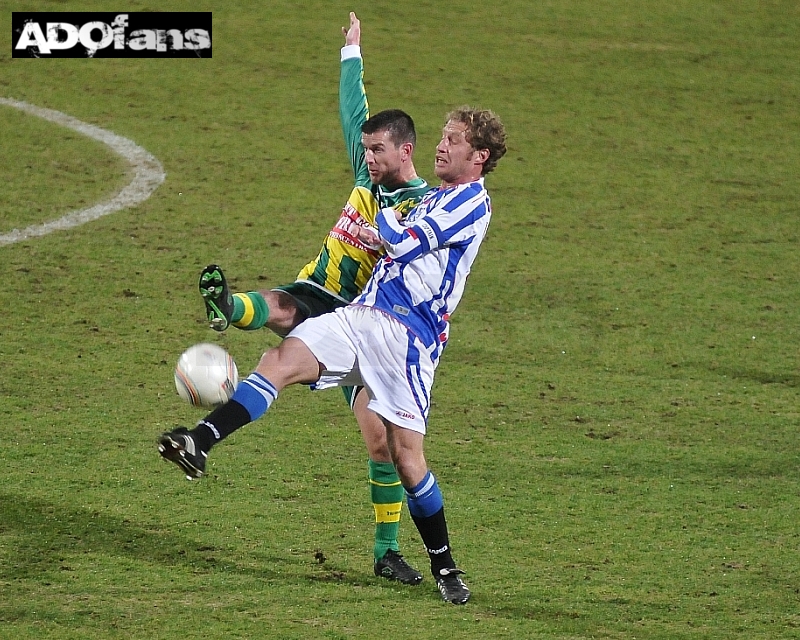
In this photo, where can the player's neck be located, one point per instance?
(446, 184)
(408, 174)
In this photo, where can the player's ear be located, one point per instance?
(481, 156)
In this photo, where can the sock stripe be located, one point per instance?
(387, 512)
(262, 386)
(384, 484)
(255, 393)
(423, 487)
(249, 310)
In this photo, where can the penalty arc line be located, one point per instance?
(148, 174)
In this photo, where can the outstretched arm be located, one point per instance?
(353, 105)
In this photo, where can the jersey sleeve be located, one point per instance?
(456, 217)
(354, 110)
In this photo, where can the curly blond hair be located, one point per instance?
(484, 131)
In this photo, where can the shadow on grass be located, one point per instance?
(763, 377)
(47, 534)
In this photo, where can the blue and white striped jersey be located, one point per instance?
(421, 279)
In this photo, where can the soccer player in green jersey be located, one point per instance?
(380, 150)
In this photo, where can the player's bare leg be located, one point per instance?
(284, 315)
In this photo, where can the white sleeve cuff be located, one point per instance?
(351, 51)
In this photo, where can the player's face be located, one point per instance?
(384, 159)
(455, 157)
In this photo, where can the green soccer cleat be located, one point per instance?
(217, 297)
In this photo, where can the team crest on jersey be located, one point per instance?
(405, 206)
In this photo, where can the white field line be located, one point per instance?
(147, 170)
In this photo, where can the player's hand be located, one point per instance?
(353, 34)
(368, 237)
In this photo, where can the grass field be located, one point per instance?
(615, 421)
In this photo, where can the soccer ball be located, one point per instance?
(206, 375)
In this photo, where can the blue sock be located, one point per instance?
(425, 499)
(250, 401)
(255, 393)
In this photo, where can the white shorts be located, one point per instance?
(362, 346)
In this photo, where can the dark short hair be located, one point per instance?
(484, 131)
(398, 123)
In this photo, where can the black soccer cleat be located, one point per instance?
(217, 297)
(452, 587)
(394, 567)
(179, 447)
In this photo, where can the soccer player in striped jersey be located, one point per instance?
(390, 340)
(380, 149)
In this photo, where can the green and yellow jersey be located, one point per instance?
(344, 264)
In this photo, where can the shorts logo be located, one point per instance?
(406, 415)
(110, 35)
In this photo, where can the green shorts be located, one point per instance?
(313, 302)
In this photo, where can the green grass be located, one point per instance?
(614, 422)
(38, 155)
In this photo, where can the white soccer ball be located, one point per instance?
(206, 375)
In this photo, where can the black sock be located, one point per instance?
(433, 530)
(219, 424)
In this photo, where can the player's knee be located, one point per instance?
(290, 363)
(268, 363)
(411, 468)
(284, 313)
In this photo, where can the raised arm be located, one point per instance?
(353, 105)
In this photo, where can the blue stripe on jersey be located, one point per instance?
(477, 213)
(415, 379)
(394, 298)
(402, 246)
(454, 196)
(421, 279)
(428, 234)
(388, 233)
(424, 239)
(450, 271)
(423, 244)
(462, 197)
